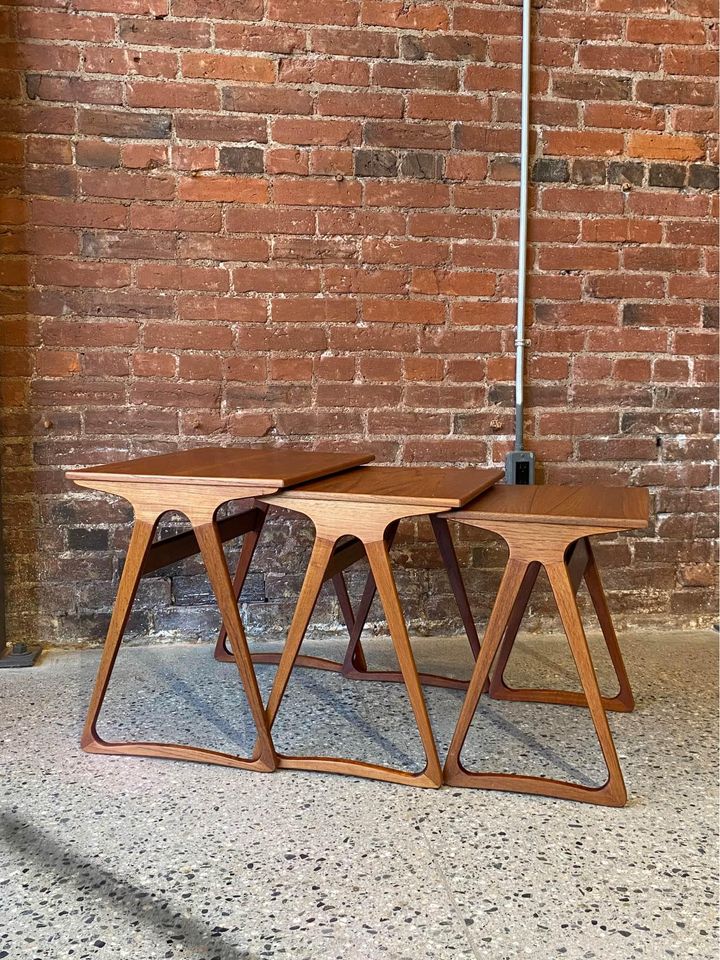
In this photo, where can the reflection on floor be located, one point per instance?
(141, 859)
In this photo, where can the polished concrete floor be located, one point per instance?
(141, 859)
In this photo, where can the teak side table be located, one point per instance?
(195, 483)
(549, 526)
(367, 504)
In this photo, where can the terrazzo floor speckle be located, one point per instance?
(138, 859)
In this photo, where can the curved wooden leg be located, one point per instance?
(454, 773)
(446, 547)
(314, 578)
(354, 655)
(623, 701)
(250, 541)
(612, 792)
(219, 576)
(354, 665)
(377, 553)
(140, 541)
(499, 690)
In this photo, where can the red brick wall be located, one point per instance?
(275, 221)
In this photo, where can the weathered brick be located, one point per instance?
(123, 123)
(241, 159)
(87, 538)
(223, 67)
(703, 176)
(375, 163)
(710, 316)
(411, 77)
(270, 100)
(304, 132)
(589, 171)
(592, 87)
(626, 172)
(650, 30)
(551, 170)
(160, 32)
(675, 91)
(422, 166)
(583, 144)
(667, 175)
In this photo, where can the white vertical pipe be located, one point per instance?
(520, 340)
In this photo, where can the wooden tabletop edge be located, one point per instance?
(97, 473)
(493, 477)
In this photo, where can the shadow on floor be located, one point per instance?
(88, 876)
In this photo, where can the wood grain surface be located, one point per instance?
(617, 507)
(420, 486)
(278, 468)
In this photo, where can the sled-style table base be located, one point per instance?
(367, 504)
(549, 526)
(195, 483)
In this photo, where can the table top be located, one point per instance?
(425, 486)
(625, 507)
(235, 466)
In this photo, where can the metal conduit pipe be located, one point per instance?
(520, 464)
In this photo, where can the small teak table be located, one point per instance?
(549, 526)
(367, 504)
(195, 483)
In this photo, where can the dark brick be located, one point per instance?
(32, 85)
(589, 171)
(577, 87)
(422, 166)
(633, 313)
(126, 124)
(84, 538)
(97, 153)
(191, 591)
(253, 590)
(551, 170)
(501, 393)
(710, 315)
(242, 159)
(625, 171)
(639, 314)
(195, 591)
(411, 48)
(666, 175)
(704, 176)
(92, 627)
(375, 163)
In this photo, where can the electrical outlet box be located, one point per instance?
(520, 467)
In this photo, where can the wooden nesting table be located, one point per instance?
(550, 527)
(195, 483)
(356, 510)
(367, 504)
